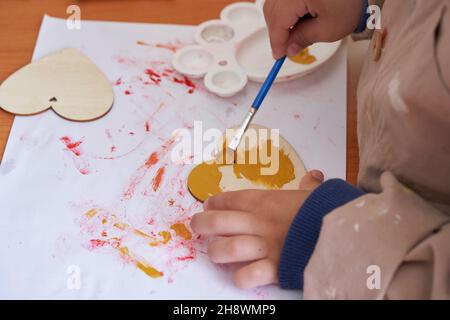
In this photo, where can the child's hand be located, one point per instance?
(250, 227)
(332, 20)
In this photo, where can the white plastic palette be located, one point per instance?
(236, 48)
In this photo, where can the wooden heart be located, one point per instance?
(211, 178)
(65, 81)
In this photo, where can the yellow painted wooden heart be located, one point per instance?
(65, 81)
(261, 163)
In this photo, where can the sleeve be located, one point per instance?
(362, 32)
(305, 228)
(364, 17)
(392, 245)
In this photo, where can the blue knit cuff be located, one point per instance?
(304, 231)
(364, 17)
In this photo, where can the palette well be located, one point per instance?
(261, 163)
(236, 48)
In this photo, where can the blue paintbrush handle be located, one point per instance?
(268, 83)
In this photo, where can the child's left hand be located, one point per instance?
(251, 227)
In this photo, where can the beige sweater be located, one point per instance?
(399, 232)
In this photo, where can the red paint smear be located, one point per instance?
(96, 243)
(152, 160)
(84, 171)
(187, 82)
(171, 202)
(170, 47)
(118, 82)
(142, 171)
(125, 60)
(113, 149)
(190, 256)
(128, 92)
(72, 146)
(154, 76)
(147, 126)
(156, 182)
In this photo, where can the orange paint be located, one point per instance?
(156, 182)
(181, 231)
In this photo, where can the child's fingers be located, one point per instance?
(311, 180)
(280, 17)
(259, 273)
(226, 223)
(237, 249)
(234, 200)
(302, 36)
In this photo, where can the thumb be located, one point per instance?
(302, 35)
(311, 180)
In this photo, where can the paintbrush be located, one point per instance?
(240, 131)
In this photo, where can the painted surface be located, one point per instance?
(205, 179)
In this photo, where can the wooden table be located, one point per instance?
(20, 22)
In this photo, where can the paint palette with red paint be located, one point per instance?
(236, 48)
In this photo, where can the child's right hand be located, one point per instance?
(331, 20)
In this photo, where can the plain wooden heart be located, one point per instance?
(209, 179)
(65, 81)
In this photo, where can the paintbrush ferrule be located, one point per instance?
(234, 143)
(240, 131)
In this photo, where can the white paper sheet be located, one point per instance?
(54, 171)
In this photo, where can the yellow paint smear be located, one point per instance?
(182, 231)
(121, 226)
(166, 236)
(204, 179)
(303, 57)
(140, 263)
(252, 172)
(91, 213)
(142, 234)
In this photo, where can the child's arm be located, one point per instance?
(392, 245)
